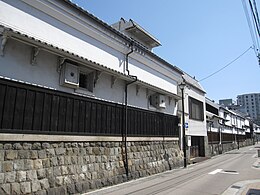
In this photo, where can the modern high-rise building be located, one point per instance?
(250, 104)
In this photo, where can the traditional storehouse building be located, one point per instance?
(214, 127)
(195, 117)
(82, 104)
(227, 129)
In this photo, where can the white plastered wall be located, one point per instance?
(195, 128)
(15, 64)
(68, 30)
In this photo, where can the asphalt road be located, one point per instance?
(209, 177)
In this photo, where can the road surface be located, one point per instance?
(212, 176)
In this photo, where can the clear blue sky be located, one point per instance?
(200, 37)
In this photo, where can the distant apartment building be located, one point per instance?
(250, 104)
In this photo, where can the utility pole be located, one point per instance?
(182, 86)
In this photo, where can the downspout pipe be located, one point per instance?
(126, 109)
(127, 59)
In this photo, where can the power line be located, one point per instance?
(226, 65)
(251, 29)
(254, 14)
(253, 24)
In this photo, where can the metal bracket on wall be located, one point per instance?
(3, 43)
(35, 52)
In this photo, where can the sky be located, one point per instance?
(200, 37)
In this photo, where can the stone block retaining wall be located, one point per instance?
(225, 147)
(69, 168)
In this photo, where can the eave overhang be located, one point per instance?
(29, 40)
(136, 30)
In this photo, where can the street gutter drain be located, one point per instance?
(236, 187)
(229, 171)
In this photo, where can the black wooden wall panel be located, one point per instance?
(113, 118)
(46, 117)
(88, 117)
(54, 113)
(37, 115)
(62, 114)
(2, 100)
(117, 120)
(75, 118)
(82, 110)
(28, 110)
(109, 119)
(69, 113)
(9, 108)
(98, 119)
(25, 108)
(93, 118)
(225, 137)
(19, 109)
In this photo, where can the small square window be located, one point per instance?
(83, 80)
(86, 81)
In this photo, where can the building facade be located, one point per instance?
(195, 117)
(82, 105)
(227, 129)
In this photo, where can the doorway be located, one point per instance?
(197, 148)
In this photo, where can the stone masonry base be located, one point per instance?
(48, 168)
(215, 149)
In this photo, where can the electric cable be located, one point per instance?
(257, 26)
(253, 24)
(254, 17)
(226, 65)
(252, 33)
(256, 13)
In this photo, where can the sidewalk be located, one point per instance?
(249, 187)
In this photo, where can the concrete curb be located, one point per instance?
(242, 187)
(257, 164)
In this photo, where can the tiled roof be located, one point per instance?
(193, 82)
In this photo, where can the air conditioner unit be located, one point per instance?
(69, 75)
(158, 100)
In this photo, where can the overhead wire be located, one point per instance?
(255, 35)
(257, 26)
(226, 65)
(252, 32)
(253, 24)
(254, 13)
